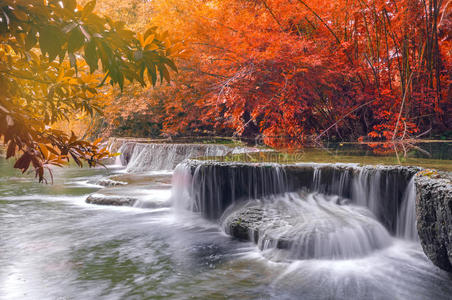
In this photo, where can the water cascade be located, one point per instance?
(313, 210)
(406, 222)
(308, 226)
(139, 157)
(211, 188)
(293, 231)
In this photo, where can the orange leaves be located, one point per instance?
(290, 70)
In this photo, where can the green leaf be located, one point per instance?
(170, 63)
(70, 4)
(85, 33)
(91, 57)
(31, 39)
(73, 61)
(151, 72)
(164, 74)
(141, 74)
(69, 27)
(76, 40)
(51, 39)
(89, 7)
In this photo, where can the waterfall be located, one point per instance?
(309, 226)
(118, 161)
(181, 188)
(211, 187)
(140, 157)
(406, 221)
(316, 179)
(166, 156)
(366, 189)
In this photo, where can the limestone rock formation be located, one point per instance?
(434, 217)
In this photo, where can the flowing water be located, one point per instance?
(55, 246)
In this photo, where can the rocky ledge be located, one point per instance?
(434, 216)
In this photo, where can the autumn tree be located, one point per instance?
(295, 71)
(55, 59)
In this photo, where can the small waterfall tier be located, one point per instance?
(139, 157)
(302, 211)
(211, 187)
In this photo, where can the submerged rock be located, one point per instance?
(434, 217)
(110, 200)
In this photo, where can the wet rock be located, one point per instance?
(111, 200)
(250, 224)
(245, 224)
(109, 182)
(434, 217)
(306, 226)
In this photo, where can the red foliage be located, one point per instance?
(289, 70)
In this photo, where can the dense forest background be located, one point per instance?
(287, 73)
(291, 71)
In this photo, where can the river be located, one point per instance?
(55, 246)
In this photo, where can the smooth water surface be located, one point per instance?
(435, 155)
(54, 246)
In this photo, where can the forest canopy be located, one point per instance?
(289, 72)
(294, 71)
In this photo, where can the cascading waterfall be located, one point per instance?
(166, 156)
(366, 189)
(139, 157)
(346, 210)
(314, 231)
(380, 189)
(181, 188)
(204, 189)
(406, 221)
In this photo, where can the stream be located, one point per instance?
(53, 245)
